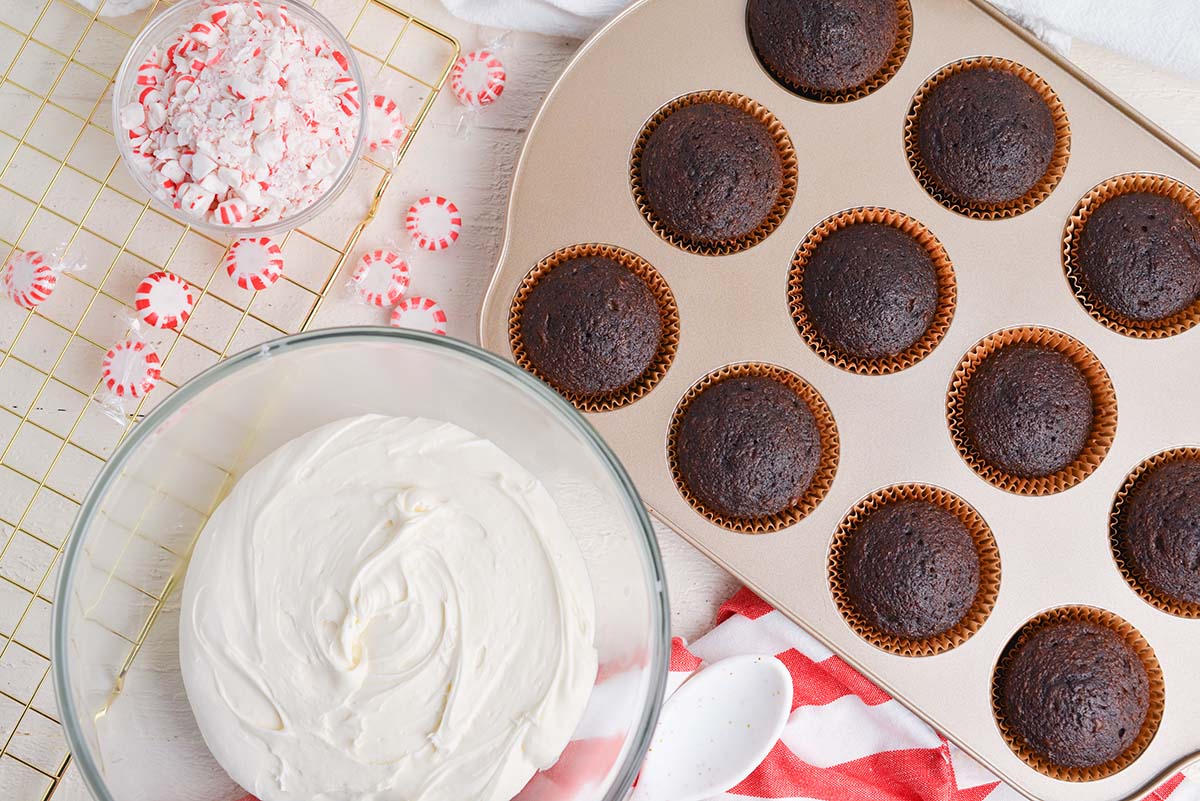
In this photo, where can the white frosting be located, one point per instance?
(387, 609)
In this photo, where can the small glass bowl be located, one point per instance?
(167, 26)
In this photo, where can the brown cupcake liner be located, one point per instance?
(991, 211)
(947, 292)
(989, 571)
(1158, 693)
(1104, 410)
(667, 309)
(1157, 599)
(1121, 185)
(890, 67)
(787, 154)
(822, 479)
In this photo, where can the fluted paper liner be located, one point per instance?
(826, 468)
(1154, 713)
(1121, 185)
(1152, 596)
(667, 310)
(787, 155)
(989, 571)
(947, 290)
(1039, 191)
(904, 33)
(1104, 410)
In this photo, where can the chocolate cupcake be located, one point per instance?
(1027, 410)
(747, 446)
(870, 290)
(1074, 692)
(820, 47)
(985, 136)
(1158, 531)
(911, 569)
(710, 172)
(1139, 255)
(591, 326)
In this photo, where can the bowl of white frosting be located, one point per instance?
(361, 563)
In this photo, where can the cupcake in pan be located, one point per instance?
(1155, 530)
(830, 50)
(914, 570)
(1078, 693)
(1132, 254)
(987, 137)
(713, 172)
(597, 323)
(753, 448)
(1032, 410)
(871, 290)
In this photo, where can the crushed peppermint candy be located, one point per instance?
(246, 118)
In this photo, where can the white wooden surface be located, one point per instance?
(475, 172)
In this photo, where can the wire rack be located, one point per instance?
(62, 186)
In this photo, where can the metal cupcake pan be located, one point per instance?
(572, 187)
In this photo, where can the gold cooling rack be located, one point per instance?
(62, 187)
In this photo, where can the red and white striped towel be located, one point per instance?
(846, 739)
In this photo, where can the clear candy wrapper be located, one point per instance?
(477, 80)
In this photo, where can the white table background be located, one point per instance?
(475, 171)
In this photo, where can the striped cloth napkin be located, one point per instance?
(846, 739)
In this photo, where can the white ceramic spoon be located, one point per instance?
(716, 729)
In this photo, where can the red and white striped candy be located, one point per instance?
(205, 33)
(29, 279)
(149, 73)
(232, 211)
(434, 223)
(164, 300)
(381, 277)
(385, 124)
(131, 369)
(478, 78)
(422, 314)
(254, 263)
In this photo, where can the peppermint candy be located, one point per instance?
(247, 117)
(477, 78)
(422, 314)
(164, 300)
(385, 124)
(254, 263)
(131, 369)
(29, 279)
(434, 223)
(381, 277)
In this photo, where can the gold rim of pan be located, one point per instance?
(822, 479)
(788, 160)
(1039, 191)
(904, 34)
(947, 289)
(989, 571)
(1118, 185)
(1157, 693)
(1116, 520)
(1104, 410)
(667, 309)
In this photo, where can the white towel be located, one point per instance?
(1164, 33)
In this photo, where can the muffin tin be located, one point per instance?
(573, 187)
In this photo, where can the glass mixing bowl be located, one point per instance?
(123, 705)
(168, 25)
